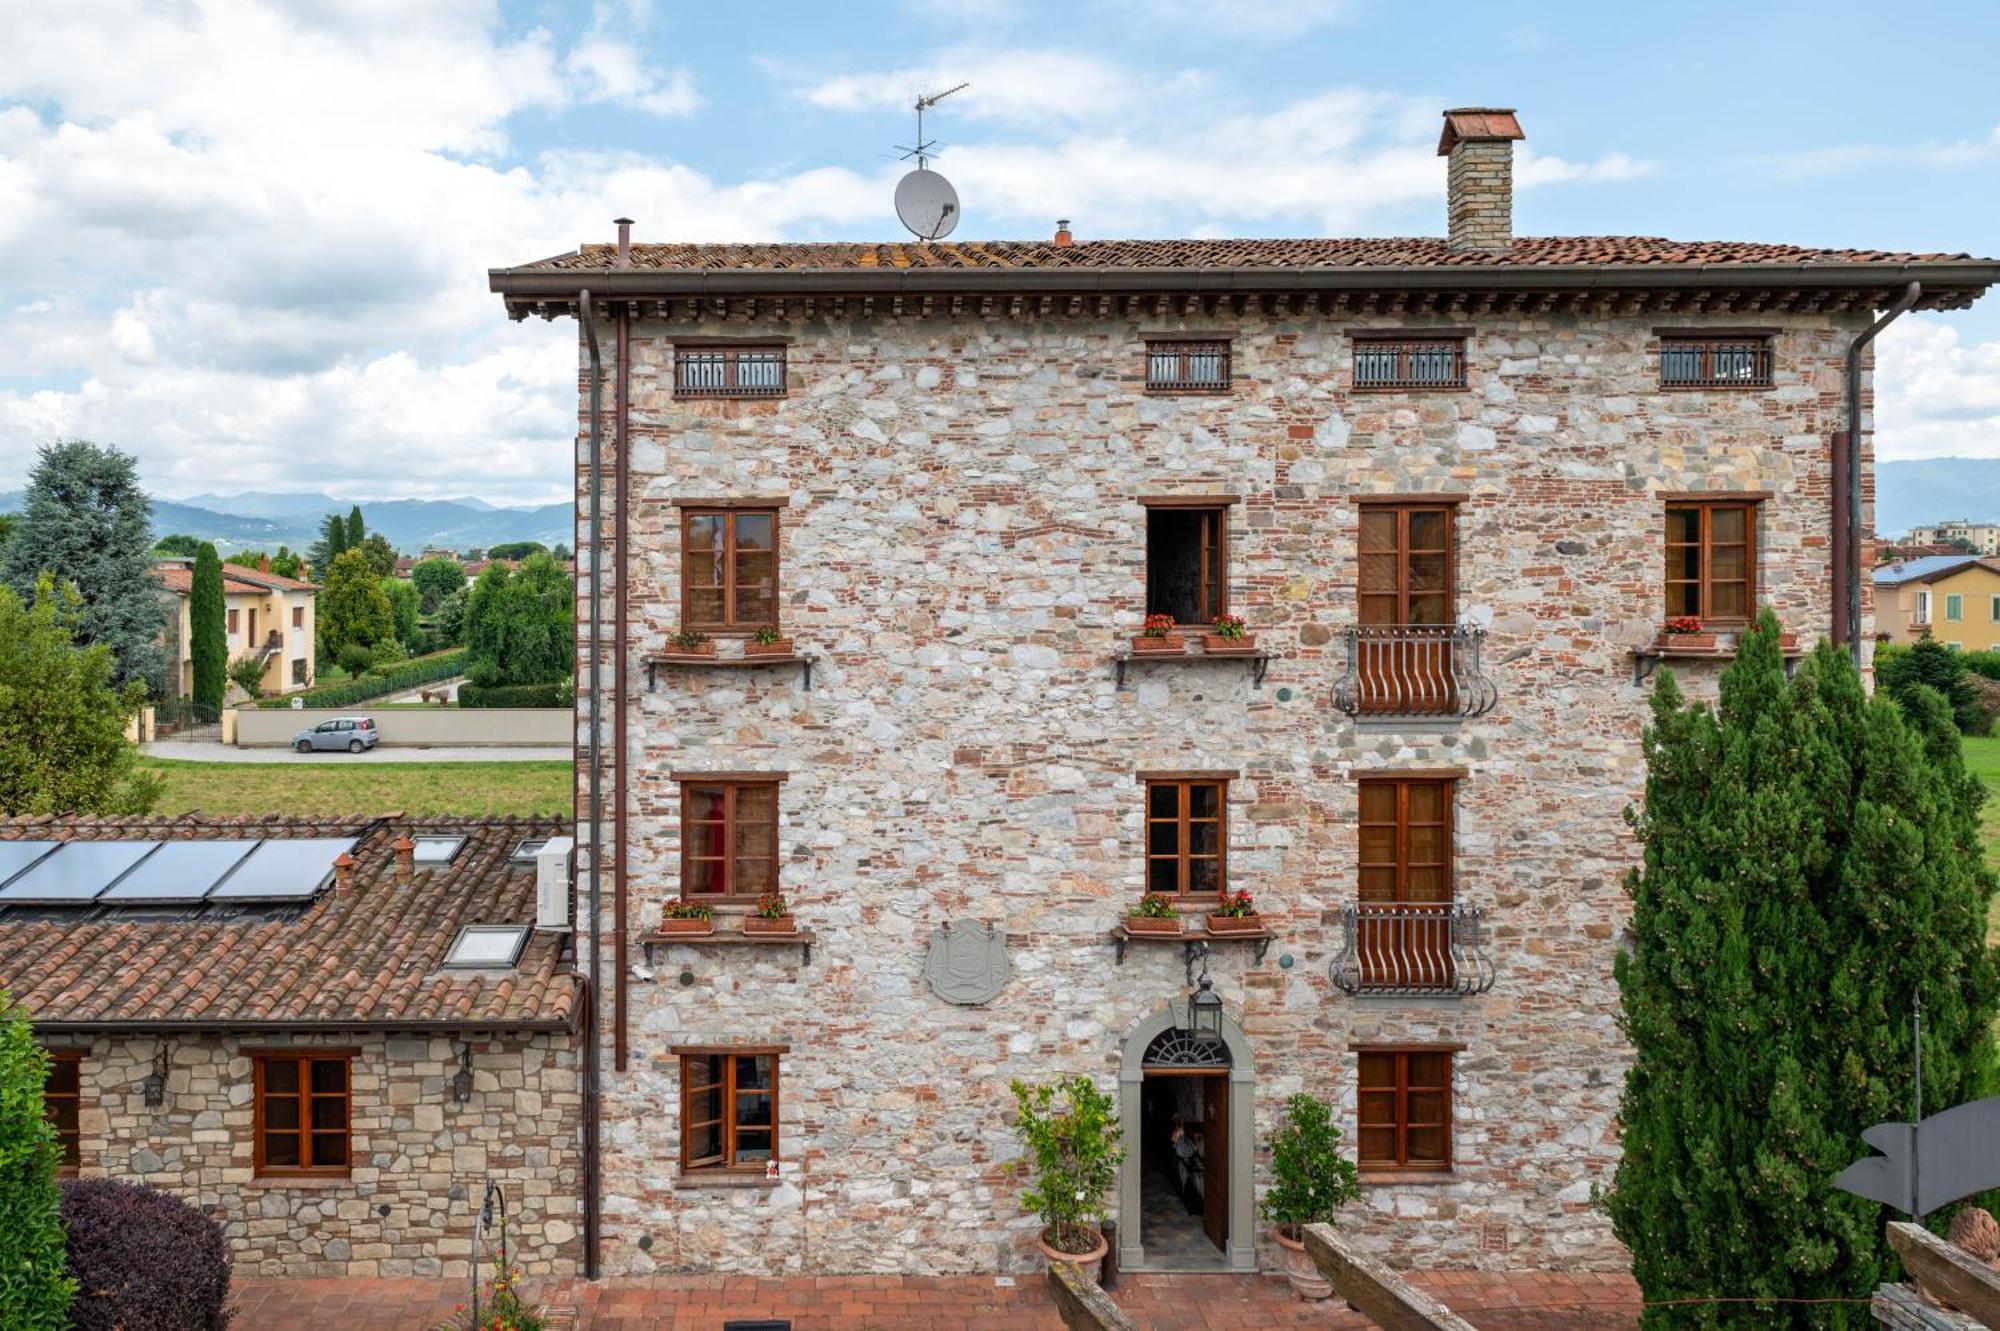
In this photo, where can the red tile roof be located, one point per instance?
(178, 577)
(366, 956)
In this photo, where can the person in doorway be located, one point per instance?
(1185, 1172)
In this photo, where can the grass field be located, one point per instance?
(1982, 759)
(425, 789)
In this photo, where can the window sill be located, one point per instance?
(1408, 1178)
(701, 1180)
(799, 938)
(1260, 659)
(287, 1181)
(1192, 931)
(704, 661)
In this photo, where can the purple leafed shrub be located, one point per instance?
(143, 1258)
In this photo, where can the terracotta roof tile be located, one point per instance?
(368, 956)
(236, 580)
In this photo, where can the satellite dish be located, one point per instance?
(927, 204)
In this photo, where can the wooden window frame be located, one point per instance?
(1404, 782)
(1704, 346)
(260, 1060)
(731, 357)
(1408, 345)
(1183, 351)
(1183, 857)
(234, 616)
(1704, 581)
(1402, 554)
(729, 1055)
(730, 784)
(732, 622)
(71, 1141)
(1212, 590)
(298, 616)
(1401, 1089)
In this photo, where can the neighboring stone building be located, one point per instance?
(1453, 485)
(287, 1022)
(1952, 598)
(265, 615)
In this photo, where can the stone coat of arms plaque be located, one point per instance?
(968, 962)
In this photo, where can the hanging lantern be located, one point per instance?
(1205, 1011)
(461, 1083)
(154, 1088)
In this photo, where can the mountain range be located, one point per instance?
(1909, 494)
(264, 520)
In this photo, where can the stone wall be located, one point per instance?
(963, 547)
(420, 1159)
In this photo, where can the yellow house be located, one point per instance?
(1954, 599)
(263, 615)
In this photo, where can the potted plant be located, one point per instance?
(1069, 1130)
(687, 917)
(768, 642)
(1155, 914)
(1684, 633)
(1311, 1181)
(691, 642)
(1157, 635)
(1227, 635)
(773, 916)
(1234, 913)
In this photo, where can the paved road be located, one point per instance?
(381, 753)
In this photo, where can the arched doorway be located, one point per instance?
(1200, 1193)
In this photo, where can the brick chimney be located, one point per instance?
(406, 858)
(1479, 194)
(1063, 238)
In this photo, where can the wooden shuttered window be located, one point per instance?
(305, 1105)
(1404, 1109)
(729, 1110)
(1406, 837)
(1187, 825)
(729, 838)
(1406, 560)
(1712, 560)
(729, 569)
(729, 371)
(1187, 563)
(62, 1104)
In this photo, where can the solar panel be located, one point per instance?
(179, 871)
(18, 855)
(77, 872)
(286, 870)
(436, 849)
(487, 945)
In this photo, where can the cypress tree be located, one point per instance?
(208, 643)
(356, 532)
(1811, 864)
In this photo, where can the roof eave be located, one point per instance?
(278, 1026)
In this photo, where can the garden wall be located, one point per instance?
(260, 727)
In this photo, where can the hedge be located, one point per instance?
(408, 675)
(143, 1258)
(516, 695)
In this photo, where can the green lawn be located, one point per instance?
(335, 787)
(1982, 759)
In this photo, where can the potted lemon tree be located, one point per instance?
(1070, 1131)
(1311, 1182)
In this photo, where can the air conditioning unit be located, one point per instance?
(555, 865)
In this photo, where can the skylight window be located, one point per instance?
(487, 946)
(436, 849)
(526, 852)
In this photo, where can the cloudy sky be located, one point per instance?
(248, 242)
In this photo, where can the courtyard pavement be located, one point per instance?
(1490, 1301)
(211, 752)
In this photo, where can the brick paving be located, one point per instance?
(1492, 1302)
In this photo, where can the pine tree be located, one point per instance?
(86, 522)
(208, 642)
(1811, 863)
(332, 543)
(356, 532)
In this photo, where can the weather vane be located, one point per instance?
(925, 200)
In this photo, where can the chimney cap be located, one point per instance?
(1473, 124)
(403, 843)
(621, 221)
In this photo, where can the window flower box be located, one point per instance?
(1227, 637)
(1158, 637)
(691, 643)
(1684, 634)
(1235, 913)
(687, 926)
(773, 916)
(1155, 914)
(768, 642)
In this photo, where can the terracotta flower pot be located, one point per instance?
(1151, 924)
(758, 924)
(1217, 645)
(1090, 1263)
(1235, 924)
(1171, 645)
(1788, 642)
(1687, 642)
(686, 925)
(700, 649)
(1299, 1269)
(782, 647)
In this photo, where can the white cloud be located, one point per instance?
(1836, 160)
(1934, 396)
(1258, 20)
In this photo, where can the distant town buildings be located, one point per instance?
(1983, 537)
(1953, 598)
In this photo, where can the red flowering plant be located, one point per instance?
(1157, 626)
(1229, 628)
(1234, 905)
(773, 906)
(1683, 625)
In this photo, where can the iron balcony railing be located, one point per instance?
(1396, 948)
(1415, 670)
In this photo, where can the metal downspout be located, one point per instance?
(621, 426)
(592, 1188)
(1852, 518)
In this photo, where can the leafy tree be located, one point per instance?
(403, 601)
(435, 579)
(1310, 1179)
(357, 531)
(1811, 863)
(561, 552)
(381, 554)
(351, 610)
(331, 545)
(518, 623)
(247, 673)
(8, 522)
(448, 625)
(62, 715)
(35, 1286)
(87, 523)
(287, 564)
(178, 545)
(208, 641)
(515, 551)
(1926, 663)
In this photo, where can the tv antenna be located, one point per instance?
(925, 200)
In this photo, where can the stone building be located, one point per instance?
(1453, 486)
(329, 1034)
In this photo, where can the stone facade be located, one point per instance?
(963, 548)
(420, 1159)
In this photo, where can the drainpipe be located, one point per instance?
(592, 1187)
(1847, 486)
(621, 415)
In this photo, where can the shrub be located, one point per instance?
(1311, 1180)
(1070, 1130)
(247, 674)
(35, 1291)
(1929, 664)
(386, 655)
(355, 659)
(143, 1257)
(516, 695)
(409, 675)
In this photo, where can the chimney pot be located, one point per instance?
(406, 858)
(624, 225)
(343, 874)
(1479, 193)
(1063, 240)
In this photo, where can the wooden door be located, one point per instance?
(1406, 598)
(1215, 1159)
(1406, 874)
